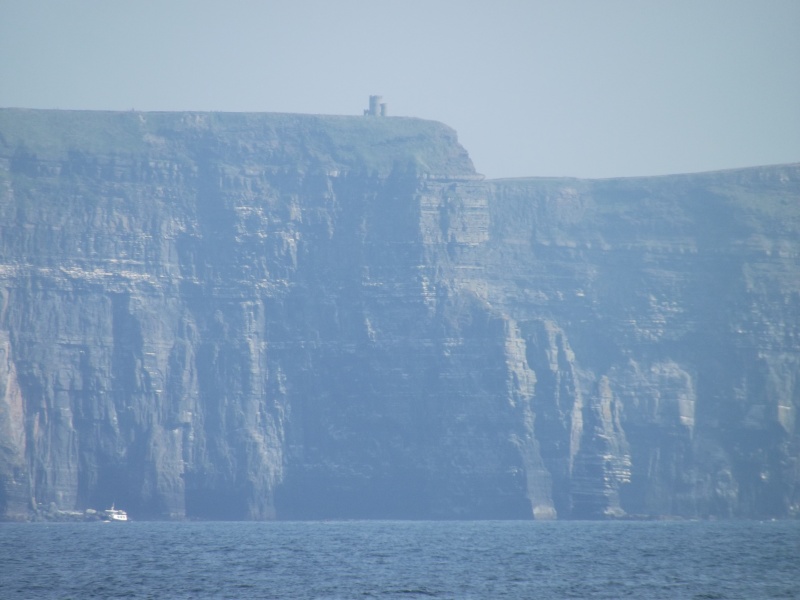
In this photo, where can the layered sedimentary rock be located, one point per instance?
(282, 316)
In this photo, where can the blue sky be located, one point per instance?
(534, 88)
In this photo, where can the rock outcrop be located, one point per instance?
(256, 316)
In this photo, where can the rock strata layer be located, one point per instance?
(257, 316)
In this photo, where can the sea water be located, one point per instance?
(401, 559)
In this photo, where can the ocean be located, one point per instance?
(401, 559)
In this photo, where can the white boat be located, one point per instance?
(115, 514)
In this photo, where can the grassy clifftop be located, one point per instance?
(364, 144)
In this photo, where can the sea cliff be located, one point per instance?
(259, 316)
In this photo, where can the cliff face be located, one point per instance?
(283, 316)
(663, 313)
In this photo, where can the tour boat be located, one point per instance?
(115, 514)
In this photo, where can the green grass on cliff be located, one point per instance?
(51, 134)
(367, 144)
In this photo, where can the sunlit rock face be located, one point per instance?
(240, 316)
(663, 317)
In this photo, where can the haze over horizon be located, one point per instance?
(545, 88)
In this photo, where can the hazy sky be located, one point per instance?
(595, 88)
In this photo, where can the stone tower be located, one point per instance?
(376, 107)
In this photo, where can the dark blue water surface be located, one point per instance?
(398, 559)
